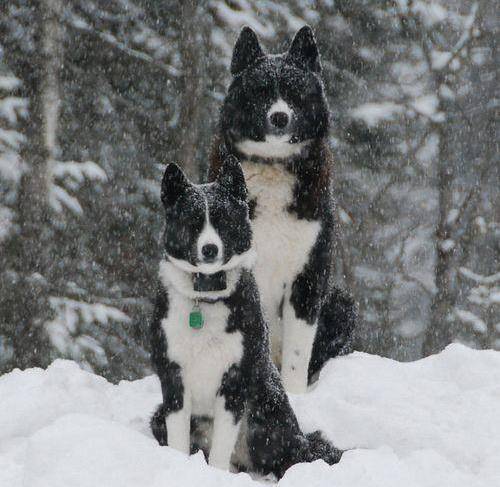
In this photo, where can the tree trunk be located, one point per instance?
(192, 49)
(33, 246)
(439, 332)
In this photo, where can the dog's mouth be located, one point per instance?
(209, 282)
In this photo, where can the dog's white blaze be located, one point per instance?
(209, 236)
(282, 242)
(274, 146)
(280, 106)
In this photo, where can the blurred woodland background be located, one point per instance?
(97, 95)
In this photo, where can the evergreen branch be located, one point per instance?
(114, 42)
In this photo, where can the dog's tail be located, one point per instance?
(321, 449)
(158, 425)
(305, 449)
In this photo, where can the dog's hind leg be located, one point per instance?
(336, 325)
(275, 440)
(159, 426)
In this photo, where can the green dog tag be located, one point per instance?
(196, 318)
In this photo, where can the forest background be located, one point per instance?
(97, 96)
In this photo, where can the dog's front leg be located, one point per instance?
(178, 426)
(298, 340)
(225, 434)
(301, 307)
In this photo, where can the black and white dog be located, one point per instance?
(275, 119)
(209, 340)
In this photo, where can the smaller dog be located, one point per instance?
(210, 345)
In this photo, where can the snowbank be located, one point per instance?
(434, 422)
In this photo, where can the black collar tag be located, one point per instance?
(209, 282)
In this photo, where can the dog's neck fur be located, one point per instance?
(224, 146)
(311, 170)
(180, 281)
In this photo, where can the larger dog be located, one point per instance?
(275, 119)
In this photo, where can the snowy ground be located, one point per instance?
(434, 422)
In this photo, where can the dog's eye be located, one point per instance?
(260, 89)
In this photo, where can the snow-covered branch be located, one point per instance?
(72, 175)
(80, 24)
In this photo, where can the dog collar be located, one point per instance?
(205, 283)
(209, 282)
(183, 281)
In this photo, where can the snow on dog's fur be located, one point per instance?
(223, 370)
(275, 119)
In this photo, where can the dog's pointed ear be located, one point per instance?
(304, 52)
(231, 178)
(246, 51)
(173, 184)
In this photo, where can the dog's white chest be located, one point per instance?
(282, 241)
(204, 354)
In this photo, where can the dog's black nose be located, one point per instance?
(209, 252)
(279, 119)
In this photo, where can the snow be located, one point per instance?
(369, 275)
(447, 245)
(431, 13)
(446, 93)
(484, 295)
(10, 139)
(241, 15)
(433, 422)
(13, 107)
(59, 197)
(439, 59)
(344, 216)
(9, 82)
(452, 216)
(79, 171)
(74, 174)
(63, 329)
(6, 218)
(11, 166)
(373, 113)
(429, 149)
(427, 106)
(492, 279)
(477, 324)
